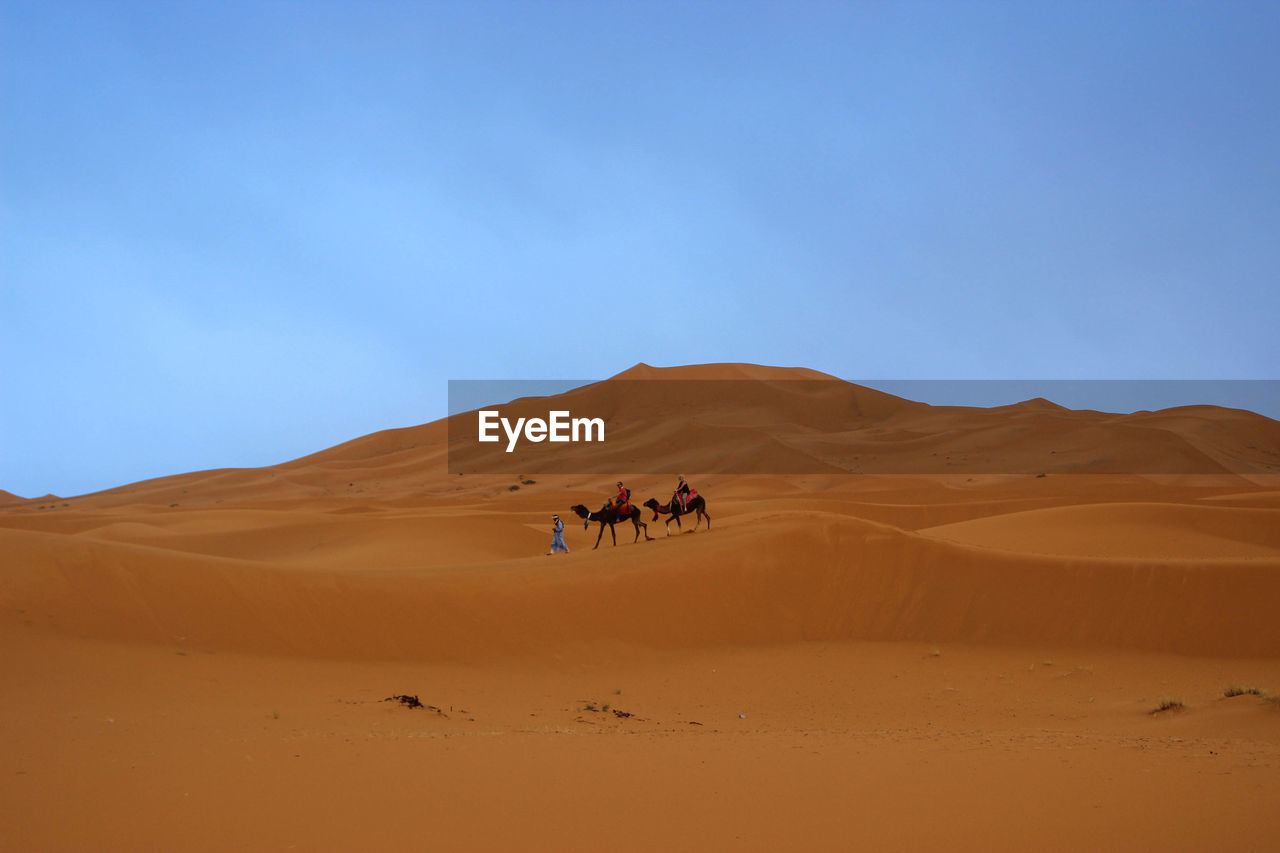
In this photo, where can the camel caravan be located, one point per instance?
(619, 508)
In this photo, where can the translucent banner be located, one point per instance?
(739, 426)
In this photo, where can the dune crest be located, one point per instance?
(721, 371)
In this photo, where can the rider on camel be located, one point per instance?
(622, 501)
(682, 493)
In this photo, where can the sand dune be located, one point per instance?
(1127, 530)
(852, 632)
(378, 524)
(379, 589)
(775, 421)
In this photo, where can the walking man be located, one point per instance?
(557, 536)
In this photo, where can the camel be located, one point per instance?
(672, 510)
(609, 515)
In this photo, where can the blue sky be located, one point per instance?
(233, 233)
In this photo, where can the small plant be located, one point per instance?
(1237, 690)
(1168, 704)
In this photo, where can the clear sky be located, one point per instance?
(233, 233)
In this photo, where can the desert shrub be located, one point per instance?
(1237, 690)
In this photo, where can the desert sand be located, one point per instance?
(947, 659)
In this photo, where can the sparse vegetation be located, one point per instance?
(1168, 704)
(606, 708)
(1237, 690)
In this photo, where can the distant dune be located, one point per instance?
(770, 420)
